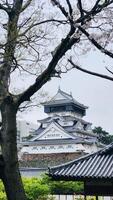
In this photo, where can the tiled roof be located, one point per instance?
(66, 99)
(77, 140)
(63, 118)
(70, 130)
(98, 165)
(38, 131)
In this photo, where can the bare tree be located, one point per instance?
(32, 43)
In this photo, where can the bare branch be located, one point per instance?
(65, 13)
(42, 22)
(59, 52)
(90, 72)
(17, 4)
(95, 43)
(93, 12)
(79, 5)
(70, 7)
(46, 75)
(109, 70)
(26, 5)
(6, 9)
(22, 108)
(68, 16)
(96, 5)
(33, 74)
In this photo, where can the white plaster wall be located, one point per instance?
(65, 114)
(48, 149)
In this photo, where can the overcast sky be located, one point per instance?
(94, 92)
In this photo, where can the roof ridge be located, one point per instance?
(64, 93)
(71, 97)
(100, 152)
(65, 97)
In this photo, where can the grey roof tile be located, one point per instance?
(63, 118)
(77, 140)
(98, 165)
(67, 99)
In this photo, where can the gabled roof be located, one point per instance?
(57, 127)
(69, 129)
(98, 165)
(63, 97)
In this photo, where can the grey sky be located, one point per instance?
(89, 90)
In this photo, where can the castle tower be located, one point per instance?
(64, 104)
(63, 136)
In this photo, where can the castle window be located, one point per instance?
(65, 123)
(43, 147)
(69, 146)
(85, 126)
(34, 148)
(60, 147)
(57, 108)
(52, 147)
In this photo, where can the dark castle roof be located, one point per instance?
(66, 98)
(62, 118)
(98, 166)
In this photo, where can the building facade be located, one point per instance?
(63, 136)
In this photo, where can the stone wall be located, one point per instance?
(44, 160)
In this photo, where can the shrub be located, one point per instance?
(35, 189)
(2, 192)
(63, 187)
(41, 188)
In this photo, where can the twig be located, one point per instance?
(95, 43)
(90, 72)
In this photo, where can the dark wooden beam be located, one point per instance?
(98, 188)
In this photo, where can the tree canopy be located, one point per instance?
(103, 136)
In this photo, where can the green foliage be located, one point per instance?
(103, 136)
(2, 191)
(41, 188)
(69, 187)
(63, 187)
(2, 195)
(35, 189)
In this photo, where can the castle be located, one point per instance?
(63, 136)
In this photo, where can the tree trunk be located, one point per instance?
(12, 179)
